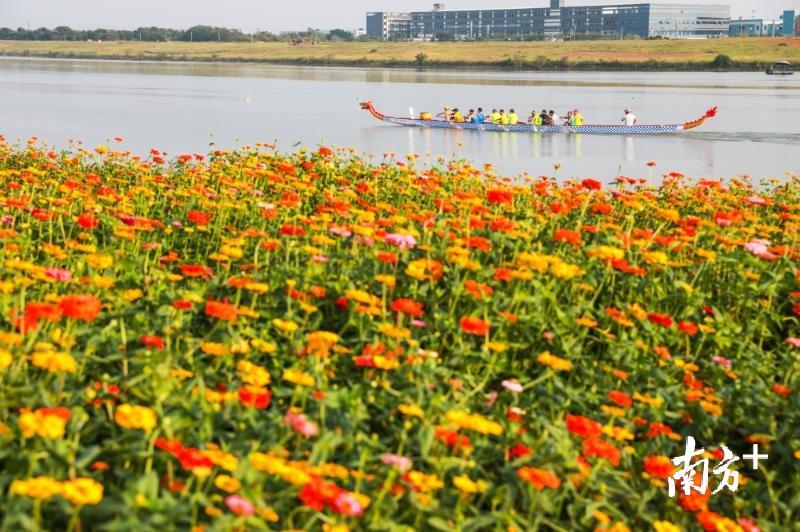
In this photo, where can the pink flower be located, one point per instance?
(793, 341)
(346, 504)
(512, 385)
(760, 248)
(418, 323)
(401, 463)
(239, 505)
(722, 361)
(756, 200)
(300, 423)
(58, 274)
(340, 231)
(491, 397)
(401, 240)
(548, 336)
(748, 525)
(321, 259)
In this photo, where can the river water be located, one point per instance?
(184, 107)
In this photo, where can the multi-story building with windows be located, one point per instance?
(558, 20)
(388, 25)
(759, 27)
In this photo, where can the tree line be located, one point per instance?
(154, 34)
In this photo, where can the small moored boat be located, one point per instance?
(780, 68)
(598, 129)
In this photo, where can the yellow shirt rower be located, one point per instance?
(577, 117)
(512, 117)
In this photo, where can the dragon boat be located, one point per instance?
(597, 129)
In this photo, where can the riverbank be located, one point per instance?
(719, 54)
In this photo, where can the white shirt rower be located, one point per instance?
(629, 118)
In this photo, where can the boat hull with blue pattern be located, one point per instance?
(595, 129)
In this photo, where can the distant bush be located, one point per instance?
(722, 61)
(421, 58)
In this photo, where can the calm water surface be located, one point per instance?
(183, 107)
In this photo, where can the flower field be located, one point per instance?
(319, 340)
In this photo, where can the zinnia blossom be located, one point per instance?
(80, 307)
(239, 505)
(475, 326)
(222, 310)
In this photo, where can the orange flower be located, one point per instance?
(620, 398)
(583, 427)
(659, 466)
(255, 396)
(599, 448)
(567, 236)
(80, 307)
(540, 478)
(694, 501)
(196, 270)
(408, 307)
(222, 310)
(475, 326)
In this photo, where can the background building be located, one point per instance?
(558, 20)
(388, 25)
(786, 26)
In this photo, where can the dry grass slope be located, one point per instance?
(745, 53)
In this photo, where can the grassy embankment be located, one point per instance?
(743, 54)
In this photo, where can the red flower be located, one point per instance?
(221, 310)
(325, 151)
(196, 270)
(519, 450)
(475, 326)
(255, 397)
(200, 217)
(567, 236)
(599, 448)
(591, 184)
(688, 327)
(408, 307)
(292, 230)
(583, 427)
(659, 466)
(182, 304)
(651, 164)
(387, 257)
(660, 319)
(87, 221)
(620, 398)
(781, 390)
(499, 196)
(80, 307)
(152, 341)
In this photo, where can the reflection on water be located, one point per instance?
(182, 107)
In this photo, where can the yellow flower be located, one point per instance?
(565, 271)
(54, 362)
(385, 279)
(5, 358)
(10, 338)
(382, 362)
(393, 331)
(423, 482)
(135, 417)
(132, 294)
(42, 423)
(656, 257)
(82, 491)
(301, 378)
(268, 514)
(467, 485)
(411, 410)
(214, 349)
(465, 420)
(263, 346)
(253, 374)
(665, 526)
(258, 288)
(36, 487)
(285, 326)
(554, 362)
(226, 483)
(586, 321)
(98, 261)
(606, 253)
(334, 528)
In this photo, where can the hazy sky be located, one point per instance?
(274, 15)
